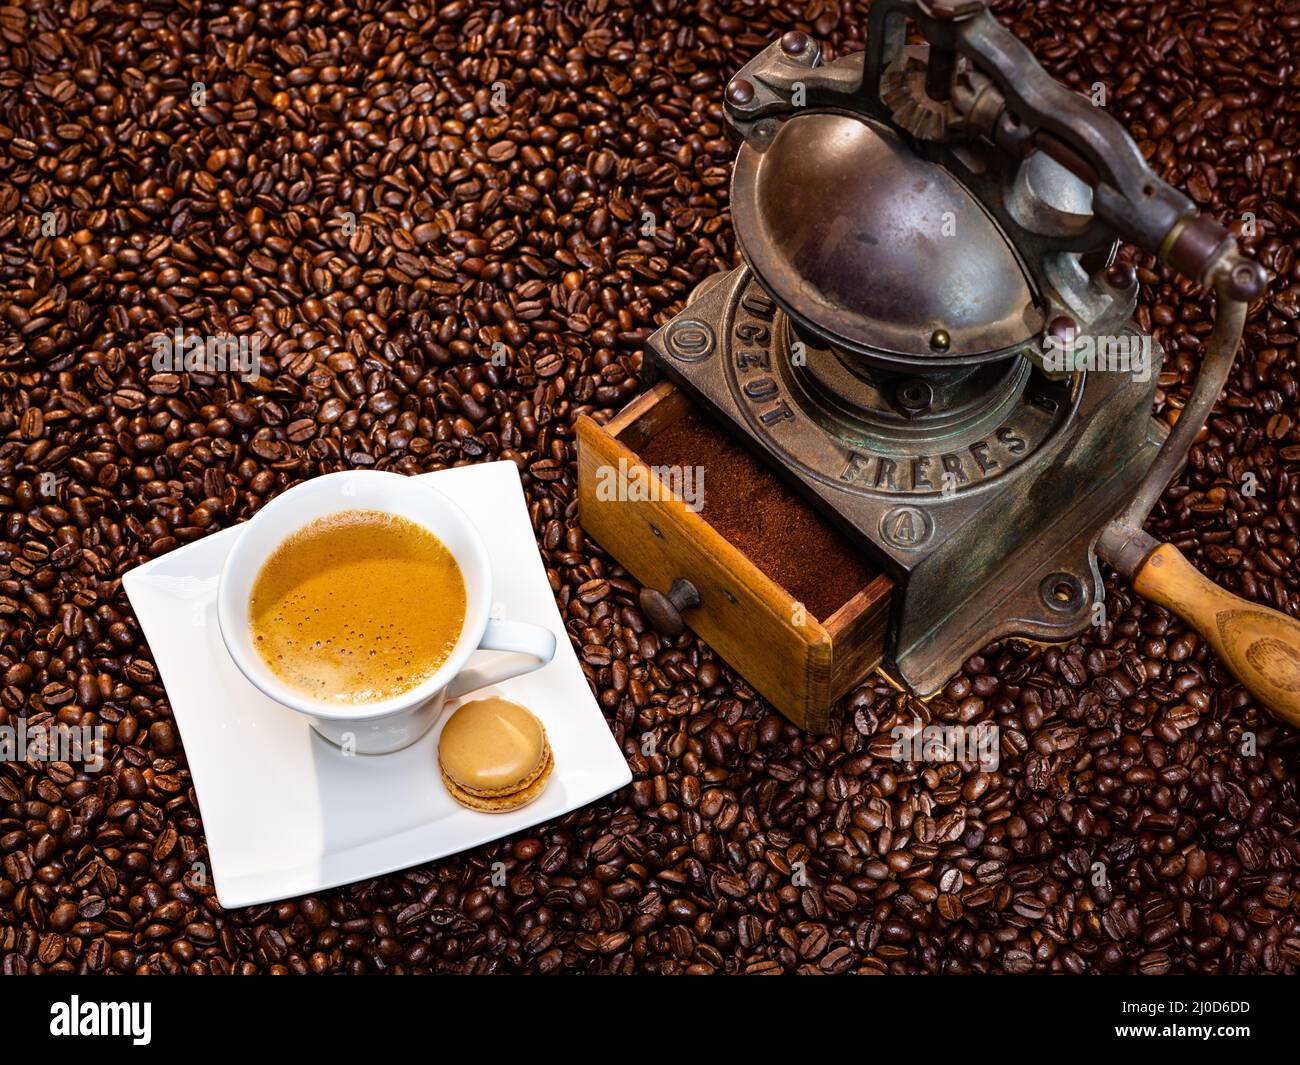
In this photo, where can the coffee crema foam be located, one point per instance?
(357, 607)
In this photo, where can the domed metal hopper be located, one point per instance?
(882, 253)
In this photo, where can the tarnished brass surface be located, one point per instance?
(859, 238)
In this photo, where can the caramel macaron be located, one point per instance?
(494, 756)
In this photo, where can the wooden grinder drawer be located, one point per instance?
(785, 599)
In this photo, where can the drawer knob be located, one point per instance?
(664, 612)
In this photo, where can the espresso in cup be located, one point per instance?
(357, 607)
(369, 553)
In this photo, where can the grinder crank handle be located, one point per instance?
(1260, 646)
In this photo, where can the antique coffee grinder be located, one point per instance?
(930, 341)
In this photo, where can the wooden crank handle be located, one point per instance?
(1261, 646)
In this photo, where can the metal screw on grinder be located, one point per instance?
(740, 93)
(1064, 328)
(796, 44)
(1247, 281)
(913, 396)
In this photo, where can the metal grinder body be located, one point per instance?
(930, 338)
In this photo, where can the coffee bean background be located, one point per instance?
(387, 190)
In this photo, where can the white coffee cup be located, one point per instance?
(393, 723)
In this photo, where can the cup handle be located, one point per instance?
(521, 637)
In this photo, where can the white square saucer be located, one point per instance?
(286, 813)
